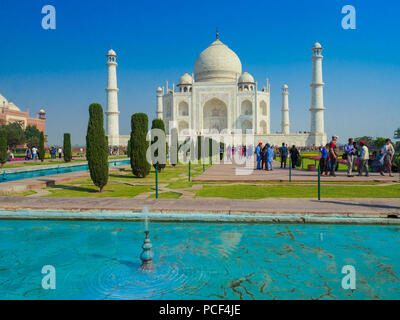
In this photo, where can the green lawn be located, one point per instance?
(117, 190)
(260, 192)
(176, 178)
(22, 194)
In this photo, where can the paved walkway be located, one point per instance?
(236, 173)
(347, 207)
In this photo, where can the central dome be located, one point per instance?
(217, 63)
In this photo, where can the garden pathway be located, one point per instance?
(237, 173)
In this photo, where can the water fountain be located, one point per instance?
(147, 254)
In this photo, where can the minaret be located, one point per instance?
(159, 103)
(112, 100)
(285, 110)
(318, 135)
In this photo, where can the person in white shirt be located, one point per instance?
(364, 157)
(59, 153)
(34, 153)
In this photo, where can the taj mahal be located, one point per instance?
(219, 96)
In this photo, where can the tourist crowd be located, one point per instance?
(356, 155)
(32, 153)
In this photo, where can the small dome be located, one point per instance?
(42, 111)
(159, 89)
(285, 86)
(111, 52)
(246, 78)
(185, 79)
(217, 63)
(12, 106)
(317, 45)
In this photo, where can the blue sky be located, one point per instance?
(64, 70)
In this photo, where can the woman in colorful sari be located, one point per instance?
(387, 153)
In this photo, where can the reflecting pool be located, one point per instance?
(100, 260)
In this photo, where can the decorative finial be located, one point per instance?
(217, 34)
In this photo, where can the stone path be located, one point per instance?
(348, 207)
(236, 173)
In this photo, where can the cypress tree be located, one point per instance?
(128, 149)
(96, 147)
(3, 147)
(199, 151)
(67, 147)
(174, 135)
(139, 145)
(158, 124)
(41, 146)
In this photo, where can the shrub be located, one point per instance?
(96, 147)
(139, 145)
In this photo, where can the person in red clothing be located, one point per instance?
(333, 155)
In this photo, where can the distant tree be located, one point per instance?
(32, 136)
(158, 124)
(33, 142)
(3, 147)
(41, 147)
(97, 147)
(31, 131)
(397, 146)
(372, 143)
(15, 134)
(379, 142)
(139, 145)
(369, 141)
(67, 147)
(397, 133)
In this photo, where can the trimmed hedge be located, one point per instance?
(139, 145)
(158, 124)
(97, 147)
(67, 147)
(42, 151)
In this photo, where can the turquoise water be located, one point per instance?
(12, 176)
(100, 260)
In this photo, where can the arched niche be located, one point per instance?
(215, 115)
(246, 108)
(183, 109)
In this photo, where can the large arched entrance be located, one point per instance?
(215, 115)
(246, 125)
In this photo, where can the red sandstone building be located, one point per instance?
(10, 113)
